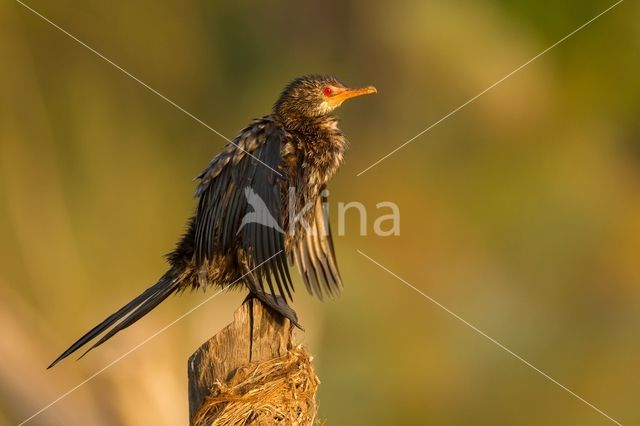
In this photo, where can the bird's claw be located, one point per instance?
(277, 304)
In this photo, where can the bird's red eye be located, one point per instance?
(327, 91)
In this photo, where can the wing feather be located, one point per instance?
(315, 255)
(237, 187)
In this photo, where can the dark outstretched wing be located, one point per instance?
(240, 205)
(315, 256)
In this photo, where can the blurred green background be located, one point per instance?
(521, 213)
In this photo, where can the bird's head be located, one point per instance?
(315, 96)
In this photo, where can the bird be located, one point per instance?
(261, 207)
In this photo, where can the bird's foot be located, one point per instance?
(277, 304)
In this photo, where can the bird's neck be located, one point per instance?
(322, 145)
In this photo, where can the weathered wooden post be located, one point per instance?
(252, 373)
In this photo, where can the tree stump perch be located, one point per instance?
(252, 373)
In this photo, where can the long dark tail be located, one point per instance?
(126, 315)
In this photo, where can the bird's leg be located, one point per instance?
(275, 303)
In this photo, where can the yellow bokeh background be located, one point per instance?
(520, 213)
